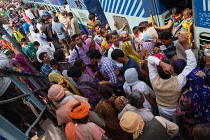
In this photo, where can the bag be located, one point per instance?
(95, 118)
(86, 83)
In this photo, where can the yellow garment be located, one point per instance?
(152, 20)
(187, 26)
(104, 45)
(61, 80)
(128, 50)
(18, 35)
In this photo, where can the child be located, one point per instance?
(104, 43)
(54, 65)
(187, 24)
(92, 18)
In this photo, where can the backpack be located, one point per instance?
(106, 52)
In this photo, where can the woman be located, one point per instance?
(67, 85)
(128, 50)
(90, 43)
(108, 108)
(80, 128)
(81, 64)
(174, 21)
(19, 57)
(193, 106)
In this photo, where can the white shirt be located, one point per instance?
(143, 88)
(38, 26)
(191, 64)
(46, 48)
(111, 49)
(30, 14)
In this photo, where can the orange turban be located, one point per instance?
(79, 112)
(70, 131)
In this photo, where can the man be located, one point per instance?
(61, 31)
(170, 48)
(42, 12)
(127, 61)
(115, 45)
(87, 85)
(64, 102)
(50, 49)
(42, 38)
(63, 18)
(98, 38)
(46, 68)
(80, 50)
(125, 36)
(74, 24)
(47, 29)
(107, 67)
(29, 49)
(167, 87)
(29, 13)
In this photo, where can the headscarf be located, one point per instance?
(83, 36)
(19, 57)
(79, 112)
(160, 56)
(179, 65)
(70, 131)
(60, 79)
(200, 96)
(131, 77)
(128, 50)
(97, 47)
(56, 92)
(132, 123)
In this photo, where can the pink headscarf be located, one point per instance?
(19, 57)
(83, 36)
(97, 47)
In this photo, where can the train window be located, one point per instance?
(120, 21)
(204, 39)
(83, 17)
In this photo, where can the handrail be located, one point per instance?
(36, 121)
(13, 99)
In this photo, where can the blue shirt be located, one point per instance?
(46, 69)
(131, 64)
(26, 27)
(59, 29)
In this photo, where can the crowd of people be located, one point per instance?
(110, 84)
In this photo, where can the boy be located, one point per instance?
(97, 31)
(54, 65)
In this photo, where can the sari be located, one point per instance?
(60, 80)
(199, 95)
(128, 50)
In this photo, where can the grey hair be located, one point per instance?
(123, 32)
(134, 98)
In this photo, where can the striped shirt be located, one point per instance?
(90, 25)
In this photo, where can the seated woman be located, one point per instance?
(67, 85)
(90, 43)
(80, 128)
(136, 101)
(108, 108)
